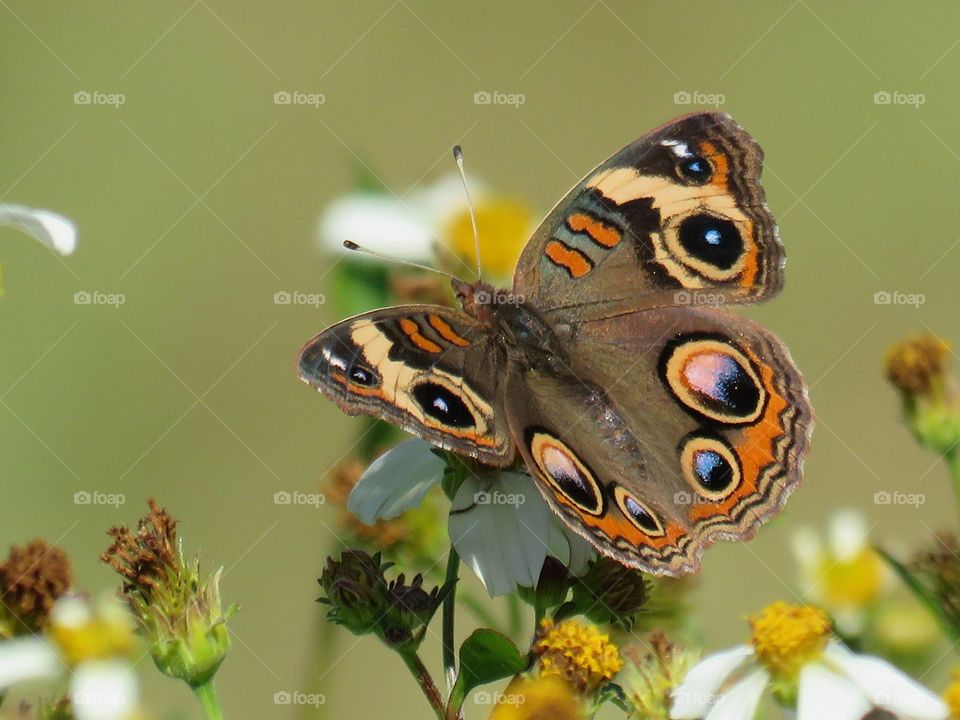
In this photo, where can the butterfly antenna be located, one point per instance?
(458, 156)
(351, 245)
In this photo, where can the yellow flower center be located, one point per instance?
(577, 653)
(540, 698)
(787, 637)
(951, 696)
(504, 226)
(854, 582)
(82, 635)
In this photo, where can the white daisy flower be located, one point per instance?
(843, 575)
(406, 228)
(792, 654)
(499, 523)
(54, 231)
(86, 645)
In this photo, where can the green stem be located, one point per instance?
(207, 696)
(426, 683)
(953, 464)
(449, 610)
(516, 618)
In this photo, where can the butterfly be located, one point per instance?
(653, 421)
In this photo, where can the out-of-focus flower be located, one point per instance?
(918, 368)
(413, 536)
(952, 695)
(92, 645)
(576, 652)
(32, 579)
(179, 613)
(406, 228)
(361, 599)
(791, 652)
(651, 673)
(499, 522)
(538, 698)
(54, 231)
(503, 225)
(843, 575)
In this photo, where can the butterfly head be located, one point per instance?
(480, 300)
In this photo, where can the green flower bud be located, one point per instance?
(610, 592)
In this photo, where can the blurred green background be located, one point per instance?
(197, 199)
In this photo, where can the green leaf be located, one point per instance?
(485, 657)
(924, 594)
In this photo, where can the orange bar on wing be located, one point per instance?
(412, 331)
(575, 262)
(599, 232)
(446, 332)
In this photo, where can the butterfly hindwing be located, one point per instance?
(671, 428)
(427, 369)
(677, 217)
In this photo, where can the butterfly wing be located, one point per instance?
(677, 217)
(673, 428)
(428, 369)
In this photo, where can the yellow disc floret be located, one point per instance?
(578, 653)
(504, 227)
(787, 637)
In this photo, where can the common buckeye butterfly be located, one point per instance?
(653, 425)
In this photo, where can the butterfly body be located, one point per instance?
(653, 425)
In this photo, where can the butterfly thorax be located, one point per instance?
(524, 333)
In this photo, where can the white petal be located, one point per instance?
(741, 701)
(581, 551)
(500, 531)
(808, 550)
(848, 534)
(887, 687)
(439, 202)
(54, 231)
(824, 694)
(396, 481)
(103, 691)
(698, 691)
(378, 222)
(27, 658)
